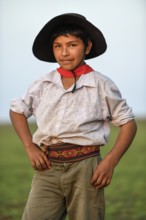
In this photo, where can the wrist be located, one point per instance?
(28, 144)
(113, 160)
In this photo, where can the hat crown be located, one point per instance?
(72, 14)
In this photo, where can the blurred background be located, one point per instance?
(123, 24)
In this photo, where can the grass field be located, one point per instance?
(125, 197)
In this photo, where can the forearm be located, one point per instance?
(37, 157)
(123, 142)
(103, 174)
(21, 126)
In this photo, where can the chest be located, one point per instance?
(61, 105)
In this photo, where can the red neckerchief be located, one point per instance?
(84, 69)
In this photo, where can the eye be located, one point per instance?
(56, 46)
(72, 45)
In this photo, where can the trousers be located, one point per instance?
(65, 189)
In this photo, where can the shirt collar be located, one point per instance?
(53, 77)
(85, 79)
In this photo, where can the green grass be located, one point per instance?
(125, 197)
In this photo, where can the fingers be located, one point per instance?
(38, 158)
(101, 182)
(101, 177)
(34, 167)
(40, 161)
(38, 166)
(42, 164)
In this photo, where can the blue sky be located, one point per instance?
(123, 23)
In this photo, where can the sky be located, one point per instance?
(122, 22)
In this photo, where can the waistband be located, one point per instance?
(70, 152)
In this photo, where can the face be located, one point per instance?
(70, 51)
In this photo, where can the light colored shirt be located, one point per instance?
(82, 117)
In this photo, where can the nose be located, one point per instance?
(65, 51)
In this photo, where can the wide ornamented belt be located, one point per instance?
(69, 152)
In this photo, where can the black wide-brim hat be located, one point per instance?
(42, 46)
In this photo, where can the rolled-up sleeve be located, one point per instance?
(119, 111)
(28, 103)
(22, 105)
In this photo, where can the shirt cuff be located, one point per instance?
(123, 119)
(19, 106)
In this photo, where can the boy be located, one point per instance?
(73, 106)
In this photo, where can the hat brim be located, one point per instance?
(42, 48)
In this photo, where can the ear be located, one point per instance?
(88, 48)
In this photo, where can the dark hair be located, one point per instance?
(73, 30)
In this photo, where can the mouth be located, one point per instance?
(66, 61)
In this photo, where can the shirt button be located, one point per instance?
(54, 140)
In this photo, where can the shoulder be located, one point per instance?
(106, 85)
(99, 77)
(42, 81)
(46, 77)
(103, 80)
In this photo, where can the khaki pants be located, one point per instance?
(63, 190)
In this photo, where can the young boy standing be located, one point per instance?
(73, 106)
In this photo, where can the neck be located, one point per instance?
(84, 69)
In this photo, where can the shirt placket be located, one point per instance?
(60, 114)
